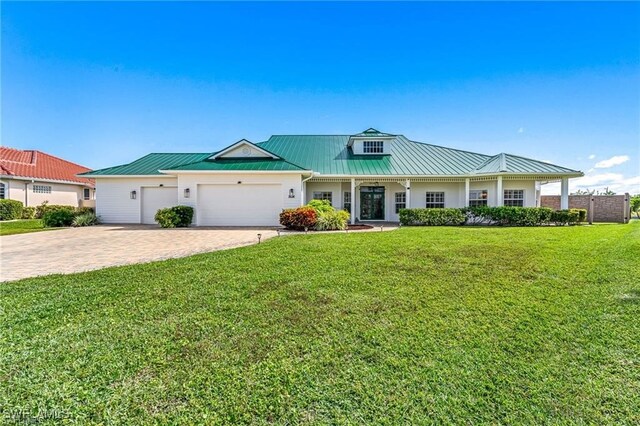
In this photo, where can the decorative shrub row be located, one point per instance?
(54, 216)
(506, 216)
(175, 217)
(432, 217)
(318, 214)
(10, 209)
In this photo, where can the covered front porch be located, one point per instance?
(379, 199)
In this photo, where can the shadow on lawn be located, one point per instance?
(632, 296)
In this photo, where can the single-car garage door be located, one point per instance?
(239, 204)
(154, 199)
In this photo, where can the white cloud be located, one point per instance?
(613, 161)
(521, 130)
(616, 182)
(592, 156)
(547, 161)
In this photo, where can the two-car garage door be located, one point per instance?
(239, 204)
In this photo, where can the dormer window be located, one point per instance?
(373, 147)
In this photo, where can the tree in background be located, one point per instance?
(635, 205)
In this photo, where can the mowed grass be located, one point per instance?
(21, 226)
(421, 325)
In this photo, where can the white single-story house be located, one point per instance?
(370, 174)
(33, 177)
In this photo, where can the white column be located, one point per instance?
(466, 192)
(303, 194)
(499, 193)
(353, 201)
(408, 192)
(564, 194)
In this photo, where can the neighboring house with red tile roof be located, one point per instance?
(33, 177)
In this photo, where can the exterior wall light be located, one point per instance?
(187, 193)
(133, 195)
(291, 193)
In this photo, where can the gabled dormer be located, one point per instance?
(243, 149)
(371, 142)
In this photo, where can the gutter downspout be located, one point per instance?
(303, 189)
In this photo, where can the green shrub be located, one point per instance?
(565, 217)
(321, 206)
(172, 217)
(85, 210)
(184, 215)
(54, 218)
(432, 217)
(10, 209)
(508, 216)
(28, 212)
(582, 214)
(166, 218)
(85, 219)
(41, 209)
(333, 220)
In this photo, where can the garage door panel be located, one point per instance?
(154, 199)
(239, 205)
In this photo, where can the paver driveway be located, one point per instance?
(83, 249)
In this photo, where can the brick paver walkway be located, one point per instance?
(82, 249)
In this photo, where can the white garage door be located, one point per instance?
(154, 199)
(239, 205)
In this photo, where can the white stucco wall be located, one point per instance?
(113, 199)
(61, 193)
(453, 193)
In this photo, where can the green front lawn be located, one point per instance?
(421, 325)
(21, 226)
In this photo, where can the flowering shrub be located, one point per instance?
(299, 219)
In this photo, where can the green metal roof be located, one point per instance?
(371, 132)
(331, 155)
(150, 164)
(240, 164)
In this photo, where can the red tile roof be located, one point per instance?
(40, 165)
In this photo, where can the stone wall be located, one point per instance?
(606, 208)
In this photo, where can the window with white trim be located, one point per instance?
(42, 189)
(2, 189)
(346, 201)
(323, 195)
(478, 197)
(87, 193)
(513, 197)
(435, 200)
(400, 201)
(373, 147)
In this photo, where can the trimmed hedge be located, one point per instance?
(299, 219)
(29, 213)
(58, 216)
(506, 216)
(432, 217)
(335, 220)
(174, 217)
(10, 209)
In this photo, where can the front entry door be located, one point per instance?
(372, 203)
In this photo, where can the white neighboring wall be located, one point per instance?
(67, 194)
(113, 197)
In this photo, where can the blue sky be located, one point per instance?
(105, 83)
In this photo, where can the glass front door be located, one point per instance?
(372, 203)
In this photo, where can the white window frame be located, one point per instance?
(400, 201)
(373, 147)
(84, 194)
(346, 201)
(41, 189)
(478, 197)
(513, 197)
(3, 190)
(437, 200)
(323, 195)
